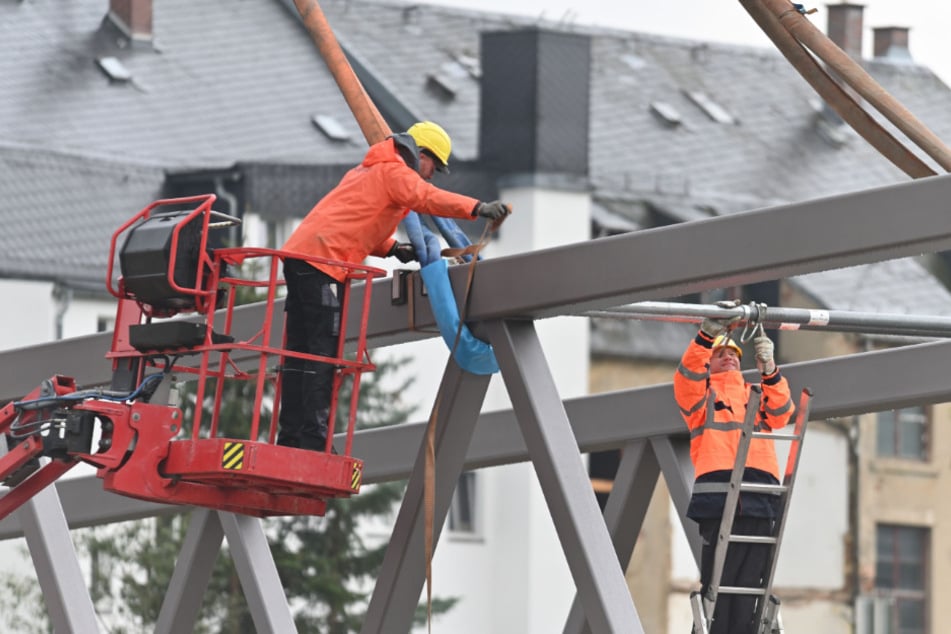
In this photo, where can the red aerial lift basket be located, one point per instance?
(178, 317)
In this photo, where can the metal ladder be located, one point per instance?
(767, 617)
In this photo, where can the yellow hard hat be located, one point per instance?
(430, 136)
(724, 341)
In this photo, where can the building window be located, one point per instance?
(903, 433)
(105, 324)
(463, 517)
(901, 574)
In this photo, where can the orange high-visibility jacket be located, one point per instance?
(713, 444)
(357, 218)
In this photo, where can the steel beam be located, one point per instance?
(64, 589)
(624, 513)
(673, 454)
(869, 226)
(844, 386)
(193, 569)
(561, 473)
(257, 571)
(403, 571)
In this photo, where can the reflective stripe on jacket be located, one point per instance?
(357, 218)
(713, 443)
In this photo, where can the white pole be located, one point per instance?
(786, 318)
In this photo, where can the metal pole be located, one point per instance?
(786, 318)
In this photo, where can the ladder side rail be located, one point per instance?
(700, 625)
(733, 495)
(789, 481)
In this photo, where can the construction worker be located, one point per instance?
(355, 219)
(711, 363)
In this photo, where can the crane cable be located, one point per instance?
(798, 40)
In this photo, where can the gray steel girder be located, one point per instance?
(844, 386)
(552, 448)
(868, 226)
(403, 572)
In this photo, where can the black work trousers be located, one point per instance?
(745, 566)
(312, 326)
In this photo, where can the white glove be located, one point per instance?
(763, 347)
(716, 327)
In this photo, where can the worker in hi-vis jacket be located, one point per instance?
(355, 219)
(711, 363)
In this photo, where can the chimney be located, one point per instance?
(845, 27)
(534, 107)
(891, 42)
(133, 18)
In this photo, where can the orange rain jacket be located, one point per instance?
(713, 443)
(357, 218)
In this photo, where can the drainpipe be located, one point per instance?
(853, 436)
(232, 202)
(63, 296)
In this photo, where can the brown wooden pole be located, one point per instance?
(834, 95)
(369, 119)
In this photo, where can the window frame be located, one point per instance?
(465, 501)
(899, 427)
(898, 595)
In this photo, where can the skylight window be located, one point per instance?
(331, 128)
(114, 69)
(634, 62)
(470, 63)
(712, 109)
(667, 113)
(442, 85)
(455, 70)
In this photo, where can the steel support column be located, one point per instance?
(673, 454)
(61, 580)
(258, 574)
(193, 569)
(403, 573)
(564, 481)
(624, 512)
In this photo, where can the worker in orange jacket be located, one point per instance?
(711, 364)
(355, 219)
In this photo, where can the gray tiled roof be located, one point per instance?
(226, 81)
(236, 83)
(59, 212)
(900, 286)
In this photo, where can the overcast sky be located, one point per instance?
(727, 21)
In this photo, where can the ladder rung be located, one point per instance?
(763, 434)
(752, 539)
(763, 488)
(740, 590)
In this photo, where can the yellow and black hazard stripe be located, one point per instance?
(356, 477)
(232, 458)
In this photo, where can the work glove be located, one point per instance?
(403, 251)
(494, 210)
(713, 328)
(763, 347)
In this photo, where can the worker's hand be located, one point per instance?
(404, 252)
(713, 328)
(494, 210)
(763, 347)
